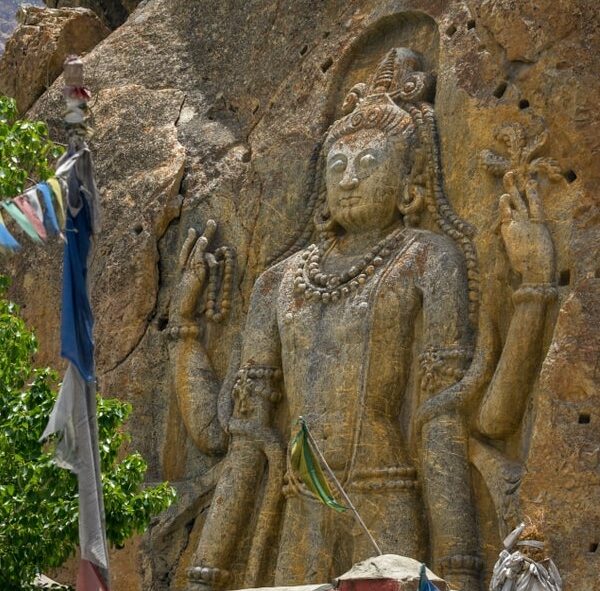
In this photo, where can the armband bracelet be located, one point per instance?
(183, 331)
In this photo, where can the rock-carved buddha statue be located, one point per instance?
(369, 334)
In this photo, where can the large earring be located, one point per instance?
(411, 204)
(322, 219)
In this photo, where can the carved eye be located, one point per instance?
(338, 165)
(367, 161)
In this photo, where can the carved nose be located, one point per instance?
(349, 183)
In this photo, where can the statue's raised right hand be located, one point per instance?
(192, 271)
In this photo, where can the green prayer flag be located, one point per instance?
(307, 466)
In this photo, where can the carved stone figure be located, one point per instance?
(371, 335)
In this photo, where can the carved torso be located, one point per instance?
(347, 364)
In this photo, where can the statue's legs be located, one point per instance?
(314, 540)
(395, 519)
(446, 479)
(318, 543)
(232, 503)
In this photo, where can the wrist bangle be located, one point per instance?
(182, 331)
(535, 291)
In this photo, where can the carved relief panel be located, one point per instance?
(377, 321)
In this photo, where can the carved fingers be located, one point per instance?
(189, 243)
(536, 212)
(192, 265)
(514, 207)
(526, 239)
(196, 261)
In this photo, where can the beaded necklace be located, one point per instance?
(313, 283)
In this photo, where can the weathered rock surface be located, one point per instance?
(563, 471)
(34, 55)
(113, 12)
(211, 110)
(8, 18)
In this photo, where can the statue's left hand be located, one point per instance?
(526, 237)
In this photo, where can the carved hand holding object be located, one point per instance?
(525, 235)
(192, 268)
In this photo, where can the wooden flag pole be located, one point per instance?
(339, 487)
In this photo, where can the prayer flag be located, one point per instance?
(424, 583)
(50, 220)
(74, 414)
(25, 206)
(57, 190)
(22, 221)
(34, 203)
(6, 238)
(66, 163)
(307, 466)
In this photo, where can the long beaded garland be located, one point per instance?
(313, 283)
(217, 310)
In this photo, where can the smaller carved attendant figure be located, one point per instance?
(525, 569)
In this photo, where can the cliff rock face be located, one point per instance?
(113, 12)
(8, 18)
(211, 110)
(34, 54)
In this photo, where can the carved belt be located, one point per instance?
(393, 478)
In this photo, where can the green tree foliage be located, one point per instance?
(38, 500)
(26, 151)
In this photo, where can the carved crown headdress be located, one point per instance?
(397, 100)
(381, 103)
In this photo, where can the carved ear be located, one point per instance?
(354, 98)
(322, 218)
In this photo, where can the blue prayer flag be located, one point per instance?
(6, 238)
(50, 220)
(77, 344)
(424, 583)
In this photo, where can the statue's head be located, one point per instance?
(380, 162)
(373, 165)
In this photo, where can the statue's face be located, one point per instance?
(365, 172)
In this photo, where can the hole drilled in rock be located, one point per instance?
(451, 30)
(161, 323)
(564, 277)
(570, 176)
(593, 547)
(326, 65)
(584, 418)
(500, 89)
(138, 229)
(470, 24)
(523, 104)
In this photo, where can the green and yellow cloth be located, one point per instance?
(307, 467)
